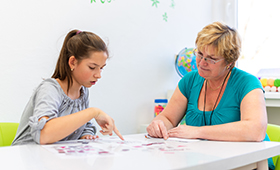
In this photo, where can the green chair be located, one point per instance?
(7, 133)
(273, 132)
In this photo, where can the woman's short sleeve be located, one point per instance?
(245, 83)
(186, 83)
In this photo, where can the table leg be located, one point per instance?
(262, 165)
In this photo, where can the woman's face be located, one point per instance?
(88, 71)
(209, 65)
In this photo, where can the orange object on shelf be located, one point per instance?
(270, 82)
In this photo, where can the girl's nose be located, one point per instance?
(98, 74)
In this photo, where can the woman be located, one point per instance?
(220, 101)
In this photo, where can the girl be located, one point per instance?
(59, 108)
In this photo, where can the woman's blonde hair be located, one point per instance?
(225, 41)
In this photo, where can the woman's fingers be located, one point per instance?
(151, 129)
(157, 129)
(163, 131)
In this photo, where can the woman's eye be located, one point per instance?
(92, 68)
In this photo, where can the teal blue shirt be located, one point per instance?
(240, 83)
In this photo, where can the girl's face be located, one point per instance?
(88, 71)
(209, 65)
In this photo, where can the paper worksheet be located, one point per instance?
(114, 146)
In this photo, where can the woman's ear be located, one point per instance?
(72, 62)
(229, 66)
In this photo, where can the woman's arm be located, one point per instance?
(170, 116)
(251, 127)
(60, 127)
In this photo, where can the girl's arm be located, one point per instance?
(60, 127)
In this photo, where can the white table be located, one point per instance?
(197, 154)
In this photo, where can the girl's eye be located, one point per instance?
(92, 68)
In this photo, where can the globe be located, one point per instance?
(185, 61)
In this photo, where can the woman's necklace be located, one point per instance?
(211, 87)
(217, 87)
(216, 99)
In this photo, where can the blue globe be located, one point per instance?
(185, 61)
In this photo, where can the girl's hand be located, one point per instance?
(89, 137)
(157, 129)
(107, 124)
(183, 131)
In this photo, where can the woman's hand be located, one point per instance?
(89, 137)
(107, 124)
(183, 131)
(157, 129)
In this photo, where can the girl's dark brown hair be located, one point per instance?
(78, 44)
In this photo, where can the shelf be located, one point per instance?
(272, 95)
(272, 99)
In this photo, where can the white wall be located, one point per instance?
(225, 11)
(141, 43)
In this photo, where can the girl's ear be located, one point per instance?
(72, 62)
